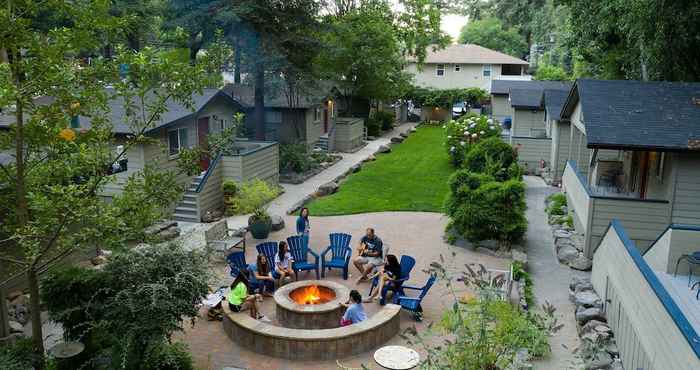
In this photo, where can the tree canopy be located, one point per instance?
(491, 33)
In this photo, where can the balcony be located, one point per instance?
(593, 209)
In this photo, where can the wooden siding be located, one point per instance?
(500, 107)
(348, 134)
(527, 121)
(559, 152)
(643, 220)
(686, 201)
(531, 151)
(577, 198)
(261, 164)
(647, 336)
(211, 196)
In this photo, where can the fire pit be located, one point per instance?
(311, 304)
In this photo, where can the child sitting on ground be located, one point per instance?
(355, 312)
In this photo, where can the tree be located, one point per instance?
(193, 17)
(491, 34)
(551, 72)
(50, 189)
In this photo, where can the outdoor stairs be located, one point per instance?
(186, 209)
(322, 143)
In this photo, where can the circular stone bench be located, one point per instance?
(312, 344)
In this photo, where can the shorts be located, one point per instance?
(239, 307)
(372, 261)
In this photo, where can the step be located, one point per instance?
(190, 197)
(186, 218)
(186, 211)
(188, 203)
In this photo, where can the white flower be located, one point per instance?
(466, 132)
(490, 121)
(452, 149)
(449, 136)
(474, 135)
(481, 133)
(462, 143)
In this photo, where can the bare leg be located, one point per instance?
(359, 265)
(382, 280)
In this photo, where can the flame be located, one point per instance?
(311, 295)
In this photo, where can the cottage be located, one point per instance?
(632, 155)
(460, 66)
(652, 312)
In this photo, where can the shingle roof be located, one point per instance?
(637, 114)
(245, 94)
(553, 102)
(469, 54)
(526, 98)
(175, 111)
(503, 87)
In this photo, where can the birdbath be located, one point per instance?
(65, 353)
(397, 358)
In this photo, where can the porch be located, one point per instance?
(617, 195)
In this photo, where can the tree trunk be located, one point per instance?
(259, 112)
(237, 62)
(195, 44)
(4, 315)
(35, 315)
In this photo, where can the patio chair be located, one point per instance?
(236, 261)
(693, 260)
(413, 304)
(407, 263)
(219, 238)
(300, 253)
(340, 254)
(269, 250)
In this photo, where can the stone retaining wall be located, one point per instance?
(318, 344)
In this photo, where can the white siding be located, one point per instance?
(646, 334)
(559, 152)
(686, 202)
(577, 198)
(470, 75)
(658, 254)
(527, 120)
(531, 151)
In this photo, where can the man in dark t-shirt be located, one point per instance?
(370, 254)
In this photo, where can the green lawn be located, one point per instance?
(413, 177)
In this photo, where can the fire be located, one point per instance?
(310, 295)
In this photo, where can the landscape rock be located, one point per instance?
(169, 233)
(159, 226)
(581, 263)
(384, 149)
(413, 129)
(587, 299)
(327, 189)
(212, 216)
(277, 223)
(601, 360)
(397, 139)
(562, 234)
(404, 134)
(567, 254)
(584, 315)
(19, 313)
(355, 169)
(590, 326)
(583, 286)
(370, 138)
(519, 256)
(578, 280)
(561, 242)
(16, 327)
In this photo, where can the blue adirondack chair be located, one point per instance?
(407, 263)
(412, 304)
(300, 253)
(269, 250)
(236, 261)
(340, 254)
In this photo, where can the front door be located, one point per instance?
(325, 118)
(203, 140)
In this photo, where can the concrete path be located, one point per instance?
(550, 279)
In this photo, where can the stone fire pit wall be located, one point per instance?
(303, 316)
(312, 344)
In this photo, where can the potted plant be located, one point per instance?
(260, 223)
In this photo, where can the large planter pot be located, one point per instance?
(259, 229)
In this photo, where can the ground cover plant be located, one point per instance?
(413, 177)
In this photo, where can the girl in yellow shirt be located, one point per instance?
(239, 299)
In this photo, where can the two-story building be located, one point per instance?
(460, 66)
(633, 154)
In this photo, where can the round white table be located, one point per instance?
(397, 358)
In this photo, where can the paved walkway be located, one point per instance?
(550, 279)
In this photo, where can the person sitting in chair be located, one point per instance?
(369, 253)
(261, 272)
(387, 275)
(283, 262)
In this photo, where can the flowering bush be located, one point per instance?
(466, 131)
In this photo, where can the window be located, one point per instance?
(487, 70)
(317, 114)
(177, 140)
(458, 67)
(440, 69)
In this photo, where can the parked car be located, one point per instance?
(459, 109)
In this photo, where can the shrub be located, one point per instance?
(229, 187)
(251, 195)
(385, 119)
(18, 355)
(556, 204)
(164, 356)
(481, 208)
(524, 277)
(465, 132)
(374, 127)
(295, 157)
(492, 156)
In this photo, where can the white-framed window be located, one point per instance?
(317, 114)
(487, 70)
(440, 70)
(458, 67)
(177, 140)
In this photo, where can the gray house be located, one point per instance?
(524, 105)
(633, 154)
(558, 130)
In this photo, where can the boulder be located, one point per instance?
(587, 299)
(277, 223)
(581, 263)
(561, 242)
(601, 360)
(404, 134)
(584, 315)
(413, 129)
(397, 139)
(356, 168)
(567, 254)
(169, 233)
(578, 280)
(159, 226)
(590, 327)
(583, 286)
(384, 149)
(327, 189)
(519, 256)
(562, 234)
(16, 327)
(212, 216)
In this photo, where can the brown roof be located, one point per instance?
(469, 54)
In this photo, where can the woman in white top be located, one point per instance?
(283, 262)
